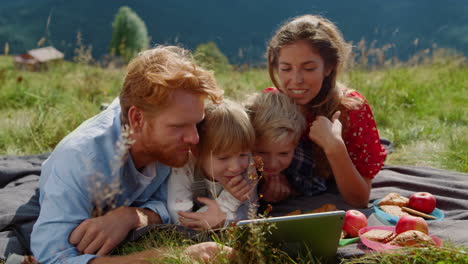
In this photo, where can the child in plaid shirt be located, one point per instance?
(278, 125)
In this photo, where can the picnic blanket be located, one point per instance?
(19, 208)
(449, 187)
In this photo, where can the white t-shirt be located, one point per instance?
(180, 195)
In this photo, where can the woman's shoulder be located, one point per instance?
(352, 101)
(270, 90)
(351, 93)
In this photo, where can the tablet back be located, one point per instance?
(299, 235)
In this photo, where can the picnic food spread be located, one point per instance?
(411, 229)
(397, 205)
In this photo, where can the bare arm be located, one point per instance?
(140, 257)
(327, 134)
(354, 188)
(206, 252)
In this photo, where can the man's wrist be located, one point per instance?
(145, 216)
(141, 218)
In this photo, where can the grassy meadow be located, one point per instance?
(421, 107)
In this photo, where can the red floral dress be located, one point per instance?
(361, 138)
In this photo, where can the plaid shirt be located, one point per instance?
(302, 173)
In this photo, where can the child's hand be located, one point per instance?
(325, 132)
(211, 218)
(239, 188)
(276, 188)
(208, 252)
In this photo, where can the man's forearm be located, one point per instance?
(143, 257)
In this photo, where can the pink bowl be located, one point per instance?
(384, 246)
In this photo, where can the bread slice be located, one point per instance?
(378, 235)
(393, 210)
(412, 238)
(394, 199)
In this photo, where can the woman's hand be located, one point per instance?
(326, 133)
(214, 217)
(275, 188)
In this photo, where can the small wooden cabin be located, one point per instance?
(38, 59)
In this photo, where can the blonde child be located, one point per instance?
(218, 168)
(278, 125)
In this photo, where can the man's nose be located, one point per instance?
(191, 136)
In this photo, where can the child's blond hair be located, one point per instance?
(275, 117)
(225, 129)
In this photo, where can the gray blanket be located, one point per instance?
(449, 187)
(19, 207)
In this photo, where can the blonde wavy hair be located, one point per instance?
(275, 117)
(225, 129)
(155, 73)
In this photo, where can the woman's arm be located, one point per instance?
(354, 188)
(327, 134)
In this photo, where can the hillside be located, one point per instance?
(420, 108)
(240, 28)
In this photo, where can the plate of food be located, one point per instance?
(382, 238)
(393, 206)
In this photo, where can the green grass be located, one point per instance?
(448, 254)
(39, 108)
(420, 108)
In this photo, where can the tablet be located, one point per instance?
(316, 234)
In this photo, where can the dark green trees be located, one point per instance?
(129, 34)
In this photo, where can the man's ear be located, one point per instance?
(135, 118)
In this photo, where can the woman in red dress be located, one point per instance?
(341, 142)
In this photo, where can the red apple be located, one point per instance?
(409, 222)
(354, 220)
(423, 202)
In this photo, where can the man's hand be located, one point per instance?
(208, 251)
(276, 188)
(101, 234)
(212, 218)
(239, 188)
